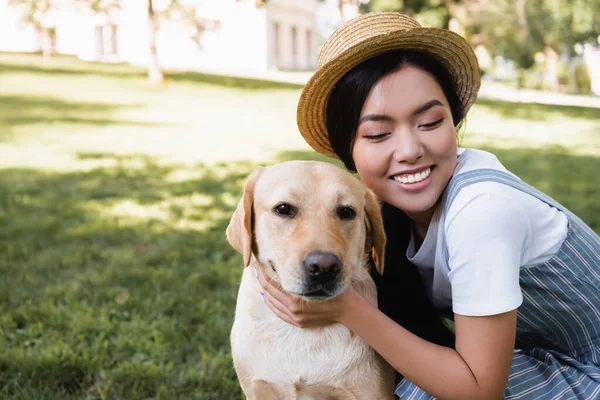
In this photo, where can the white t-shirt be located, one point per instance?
(492, 230)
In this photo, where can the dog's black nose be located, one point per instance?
(321, 266)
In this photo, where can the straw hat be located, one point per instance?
(370, 35)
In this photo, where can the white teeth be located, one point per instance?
(414, 178)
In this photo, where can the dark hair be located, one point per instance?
(401, 293)
(349, 94)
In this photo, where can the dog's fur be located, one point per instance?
(276, 360)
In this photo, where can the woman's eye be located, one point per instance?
(345, 212)
(376, 137)
(285, 210)
(432, 125)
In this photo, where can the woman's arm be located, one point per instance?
(477, 369)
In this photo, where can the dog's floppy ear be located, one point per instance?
(239, 230)
(375, 242)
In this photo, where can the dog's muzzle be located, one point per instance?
(321, 272)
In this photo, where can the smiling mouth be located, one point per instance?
(413, 178)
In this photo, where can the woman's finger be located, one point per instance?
(275, 303)
(273, 288)
(280, 314)
(288, 308)
(284, 300)
(263, 278)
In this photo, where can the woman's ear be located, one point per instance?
(375, 233)
(240, 230)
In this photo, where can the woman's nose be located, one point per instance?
(407, 147)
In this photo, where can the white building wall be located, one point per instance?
(297, 51)
(592, 60)
(240, 35)
(73, 31)
(240, 40)
(236, 38)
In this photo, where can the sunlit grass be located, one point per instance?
(514, 125)
(116, 281)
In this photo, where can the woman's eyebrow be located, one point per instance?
(374, 118)
(427, 106)
(383, 117)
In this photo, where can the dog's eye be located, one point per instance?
(285, 210)
(346, 212)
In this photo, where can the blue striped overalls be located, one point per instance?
(557, 353)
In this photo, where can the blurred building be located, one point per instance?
(591, 56)
(229, 34)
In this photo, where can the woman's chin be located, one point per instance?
(416, 208)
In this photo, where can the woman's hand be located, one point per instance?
(299, 312)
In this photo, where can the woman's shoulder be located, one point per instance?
(473, 159)
(469, 159)
(487, 200)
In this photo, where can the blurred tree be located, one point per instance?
(172, 10)
(38, 14)
(105, 8)
(515, 29)
(459, 15)
(155, 73)
(520, 29)
(409, 7)
(189, 16)
(341, 5)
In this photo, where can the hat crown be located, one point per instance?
(364, 27)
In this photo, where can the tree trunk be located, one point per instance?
(99, 31)
(552, 67)
(341, 11)
(41, 39)
(154, 71)
(521, 9)
(114, 41)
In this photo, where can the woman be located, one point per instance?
(516, 271)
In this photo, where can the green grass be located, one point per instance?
(116, 281)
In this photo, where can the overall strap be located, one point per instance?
(464, 179)
(492, 175)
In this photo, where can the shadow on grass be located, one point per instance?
(536, 111)
(66, 65)
(79, 68)
(17, 111)
(228, 81)
(118, 282)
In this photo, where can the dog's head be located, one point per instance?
(310, 225)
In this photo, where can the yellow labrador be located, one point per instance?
(314, 229)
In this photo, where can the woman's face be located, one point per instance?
(405, 147)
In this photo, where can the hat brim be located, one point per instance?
(450, 49)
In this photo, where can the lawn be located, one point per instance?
(116, 281)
